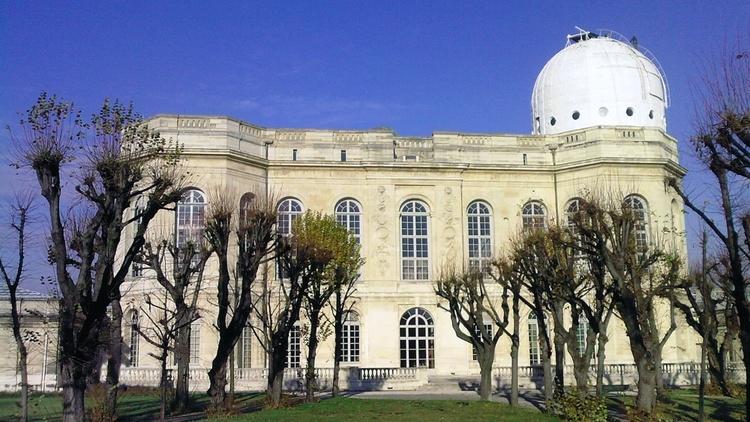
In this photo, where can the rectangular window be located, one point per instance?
(294, 348)
(195, 343)
(343, 155)
(243, 348)
(474, 351)
(136, 269)
(350, 342)
(525, 160)
(294, 155)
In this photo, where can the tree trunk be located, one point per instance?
(276, 373)
(514, 372)
(486, 359)
(73, 391)
(217, 377)
(22, 366)
(581, 374)
(646, 399)
(312, 350)
(22, 354)
(601, 356)
(114, 361)
(163, 388)
(549, 389)
(338, 332)
(702, 382)
(182, 356)
(659, 376)
(559, 364)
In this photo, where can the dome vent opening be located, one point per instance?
(576, 115)
(651, 114)
(552, 121)
(629, 111)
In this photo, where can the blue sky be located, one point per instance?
(417, 67)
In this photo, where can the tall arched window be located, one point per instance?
(534, 216)
(349, 214)
(243, 347)
(134, 339)
(195, 342)
(414, 241)
(288, 211)
(581, 332)
(417, 335)
(350, 338)
(535, 358)
(480, 236)
(246, 202)
(571, 210)
(191, 217)
(638, 207)
(294, 348)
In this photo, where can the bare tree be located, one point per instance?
(183, 286)
(124, 160)
(13, 275)
(343, 250)
(641, 275)
(504, 272)
(162, 331)
(346, 273)
(256, 240)
(722, 142)
(302, 257)
(479, 316)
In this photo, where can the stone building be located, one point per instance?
(598, 123)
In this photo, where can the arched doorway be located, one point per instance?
(417, 338)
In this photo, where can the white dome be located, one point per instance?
(597, 81)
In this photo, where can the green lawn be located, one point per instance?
(145, 407)
(682, 405)
(350, 409)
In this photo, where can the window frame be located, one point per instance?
(642, 234)
(345, 217)
(482, 262)
(410, 218)
(192, 206)
(351, 345)
(406, 338)
(533, 216)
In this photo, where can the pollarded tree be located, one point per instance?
(303, 256)
(121, 161)
(12, 276)
(479, 315)
(179, 270)
(722, 143)
(256, 240)
(346, 272)
(505, 273)
(344, 250)
(641, 275)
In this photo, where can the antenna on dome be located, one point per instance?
(582, 35)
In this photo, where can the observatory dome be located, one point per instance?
(598, 80)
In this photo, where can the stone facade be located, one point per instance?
(447, 172)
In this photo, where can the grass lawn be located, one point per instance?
(349, 409)
(682, 405)
(140, 406)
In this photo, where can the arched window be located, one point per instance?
(134, 339)
(294, 348)
(414, 241)
(581, 332)
(417, 335)
(534, 216)
(195, 342)
(571, 210)
(480, 236)
(243, 347)
(535, 357)
(191, 217)
(349, 214)
(246, 202)
(288, 211)
(136, 268)
(638, 207)
(350, 338)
